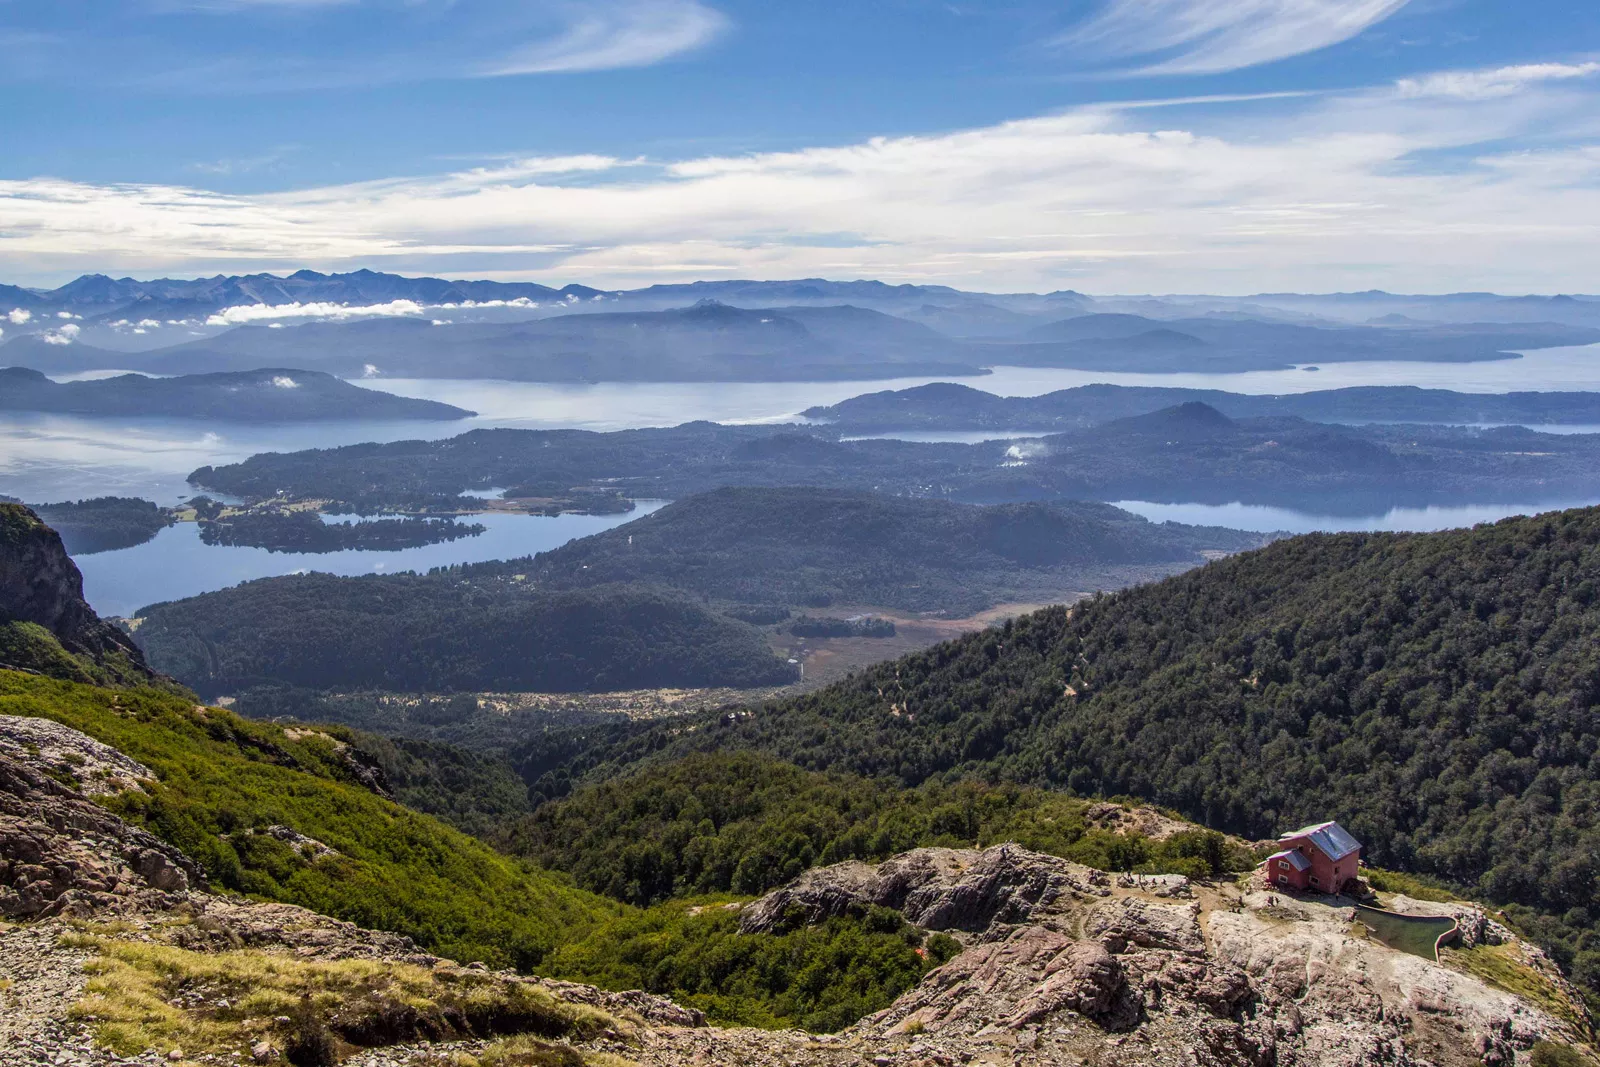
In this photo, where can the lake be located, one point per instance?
(57, 457)
(176, 563)
(1265, 519)
(52, 457)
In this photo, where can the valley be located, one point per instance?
(605, 735)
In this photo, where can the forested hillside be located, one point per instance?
(814, 547)
(1190, 453)
(1436, 693)
(438, 633)
(235, 794)
(745, 823)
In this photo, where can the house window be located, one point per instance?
(1314, 880)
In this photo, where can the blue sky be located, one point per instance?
(1426, 145)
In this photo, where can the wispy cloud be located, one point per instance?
(1313, 193)
(1496, 82)
(635, 35)
(1211, 36)
(250, 45)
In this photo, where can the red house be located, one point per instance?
(1323, 859)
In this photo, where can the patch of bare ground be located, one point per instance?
(828, 659)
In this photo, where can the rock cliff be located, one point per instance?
(45, 624)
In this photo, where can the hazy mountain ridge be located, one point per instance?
(103, 293)
(949, 406)
(706, 342)
(270, 394)
(929, 330)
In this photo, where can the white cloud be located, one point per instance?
(63, 336)
(631, 35)
(1497, 82)
(275, 313)
(1380, 188)
(1210, 36)
(283, 381)
(19, 316)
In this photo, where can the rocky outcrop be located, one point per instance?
(1065, 965)
(934, 888)
(60, 853)
(40, 584)
(68, 755)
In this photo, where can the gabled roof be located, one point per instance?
(1331, 839)
(1297, 861)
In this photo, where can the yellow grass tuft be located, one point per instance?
(143, 997)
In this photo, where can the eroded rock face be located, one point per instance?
(1134, 922)
(62, 854)
(1017, 981)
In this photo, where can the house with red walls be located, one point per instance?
(1323, 858)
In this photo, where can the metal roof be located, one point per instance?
(1297, 861)
(1331, 839)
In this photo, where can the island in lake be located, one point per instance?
(268, 395)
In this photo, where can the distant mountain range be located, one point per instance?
(706, 342)
(98, 295)
(714, 341)
(959, 313)
(269, 395)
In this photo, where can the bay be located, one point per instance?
(177, 564)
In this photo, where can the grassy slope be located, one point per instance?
(221, 775)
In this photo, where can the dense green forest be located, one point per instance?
(438, 633)
(471, 791)
(745, 823)
(821, 978)
(806, 547)
(306, 531)
(1436, 693)
(104, 523)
